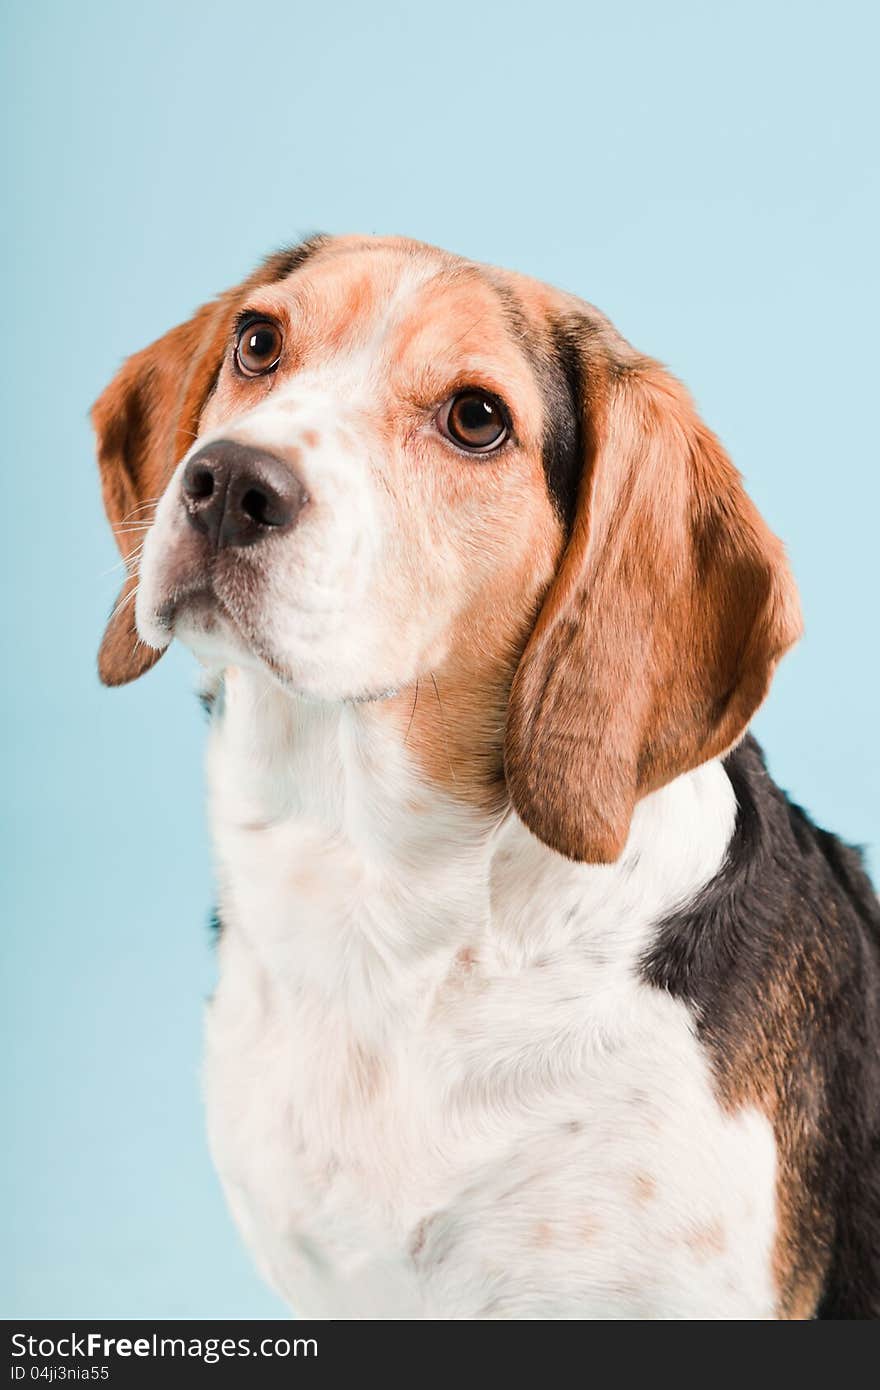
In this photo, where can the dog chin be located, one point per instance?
(214, 646)
(199, 623)
(306, 680)
(202, 623)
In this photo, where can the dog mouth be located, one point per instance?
(197, 592)
(200, 607)
(206, 621)
(214, 626)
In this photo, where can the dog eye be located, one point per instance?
(258, 347)
(473, 420)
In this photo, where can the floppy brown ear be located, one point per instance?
(145, 421)
(659, 635)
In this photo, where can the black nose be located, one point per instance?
(237, 494)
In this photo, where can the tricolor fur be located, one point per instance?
(535, 999)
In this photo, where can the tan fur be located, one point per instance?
(767, 1071)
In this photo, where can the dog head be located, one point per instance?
(374, 463)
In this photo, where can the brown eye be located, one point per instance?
(258, 347)
(474, 420)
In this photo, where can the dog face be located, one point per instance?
(374, 464)
(383, 395)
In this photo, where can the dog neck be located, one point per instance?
(354, 877)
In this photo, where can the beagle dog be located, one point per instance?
(537, 997)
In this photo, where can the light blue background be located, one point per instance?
(707, 177)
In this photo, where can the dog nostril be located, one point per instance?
(256, 505)
(235, 494)
(200, 484)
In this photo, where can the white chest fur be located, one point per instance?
(436, 1086)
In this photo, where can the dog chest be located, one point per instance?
(521, 1153)
(436, 1084)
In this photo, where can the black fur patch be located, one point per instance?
(563, 432)
(559, 373)
(780, 958)
(286, 261)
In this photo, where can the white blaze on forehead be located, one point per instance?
(355, 308)
(391, 311)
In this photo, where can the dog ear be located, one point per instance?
(659, 635)
(145, 421)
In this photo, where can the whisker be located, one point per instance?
(126, 599)
(130, 562)
(469, 330)
(443, 726)
(412, 714)
(142, 506)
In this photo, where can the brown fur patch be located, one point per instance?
(644, 1188)
(707, 1240)
(759, 1071)
(664, 623)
